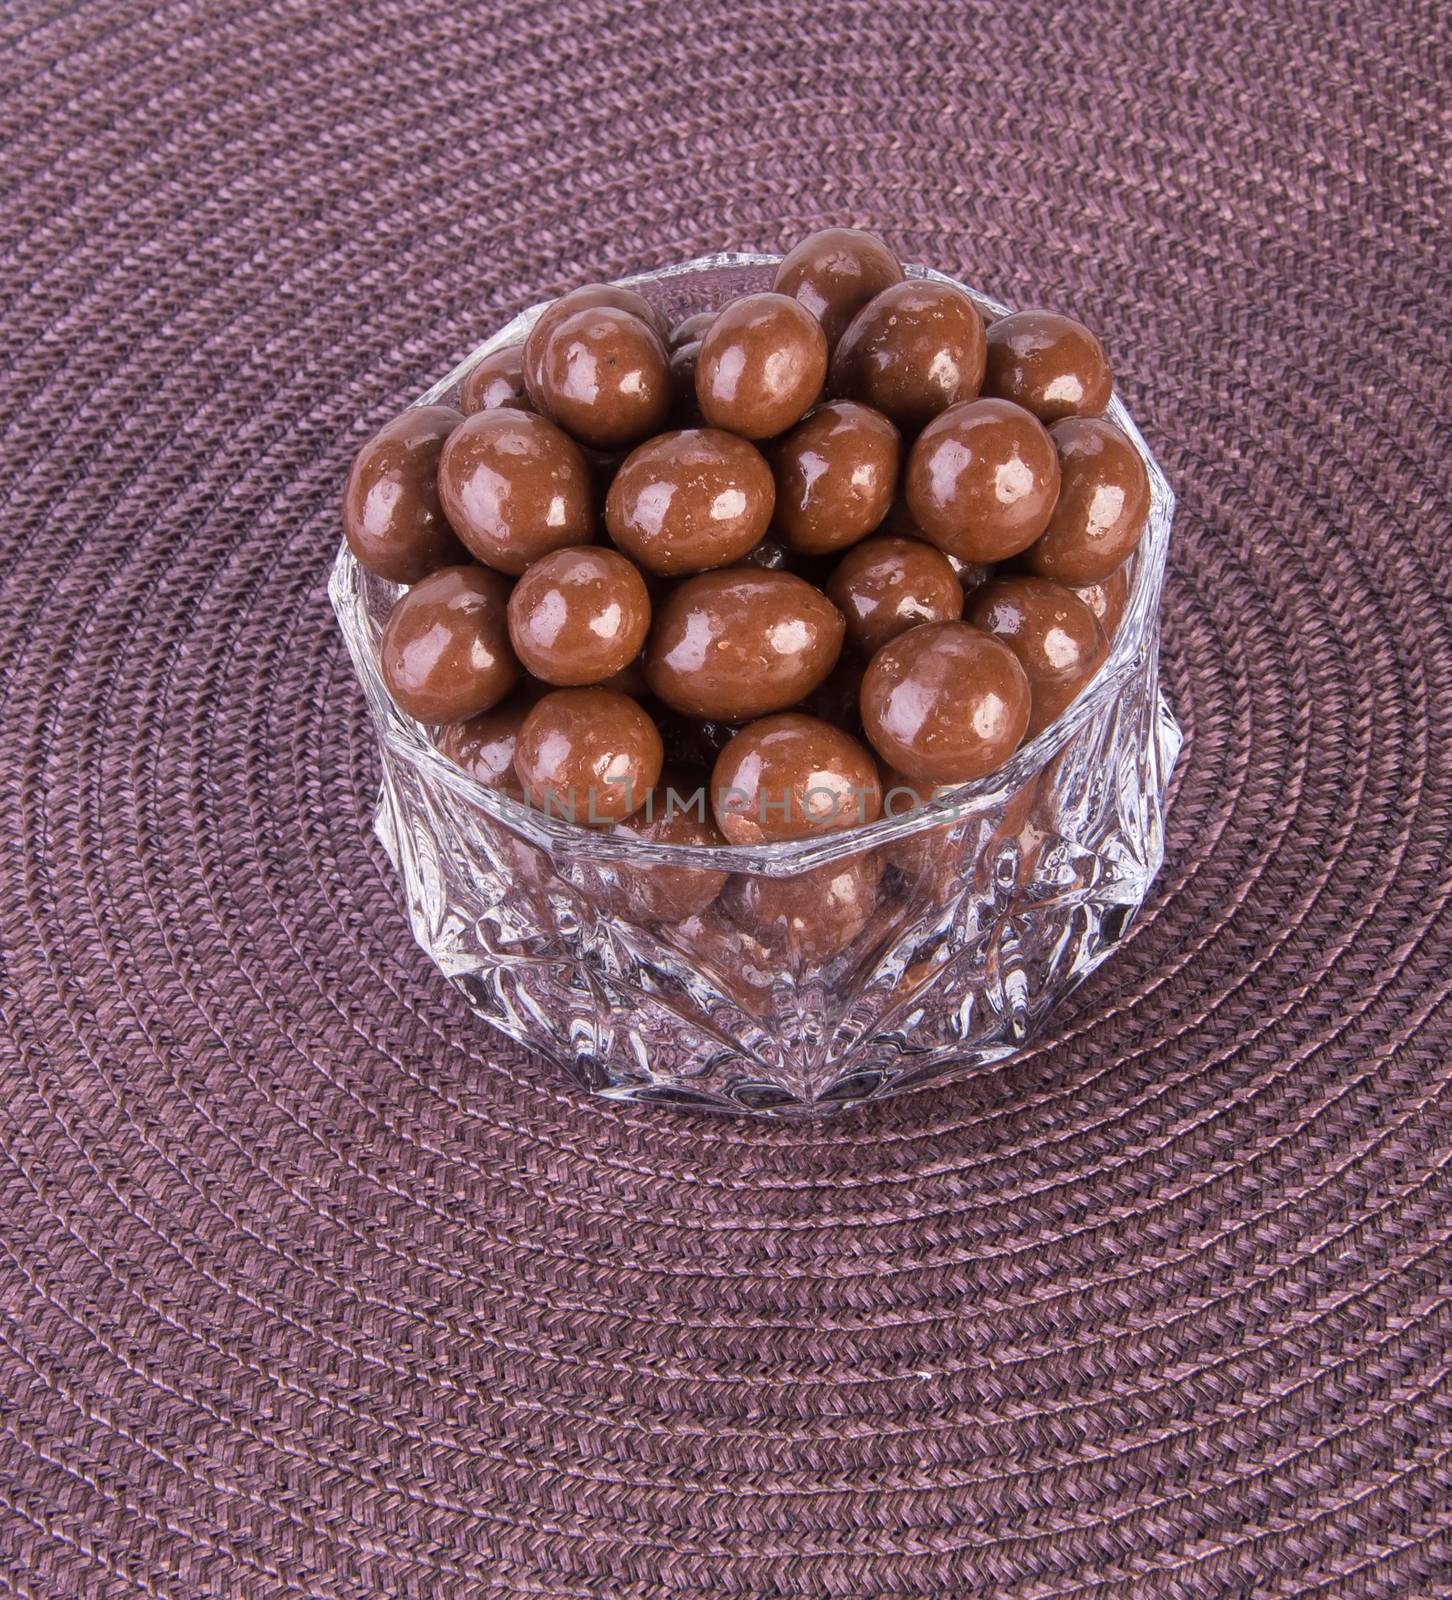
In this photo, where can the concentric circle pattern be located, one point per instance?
(309, 1286)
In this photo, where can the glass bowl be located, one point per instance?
(793, 978)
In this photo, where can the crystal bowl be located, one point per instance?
(950, 931)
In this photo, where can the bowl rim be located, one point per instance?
(1134, 643)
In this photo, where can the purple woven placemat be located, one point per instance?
(309, 1285)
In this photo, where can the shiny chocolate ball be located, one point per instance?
(676, 812)
(945, 703)
(885, 586)
(689, 501)
(445, 652)
(982, 480)
(738, 644)
(579, 616)
(836, 473)
(1103, 503)
(791, 776)
(690, 329)
(1106, 598)
(591, 294)
(834, 273)
(496, 380)
(604, 376)
(811, 917)
(484, 745)
(589, 756)
(911, 352)
(515, 487)
(1057, 640)
(1049, 364)
(392, 518)
(762, 364)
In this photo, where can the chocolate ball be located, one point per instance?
(676, 812)
(738, 644)
(690, 329)
(834, 273)
(1103, 502)
(604, 377)
(579, 616)
(496, 380)
(761, 367)
(691, 500)
(886, 586)
(836, 473)
(445, 651)
(1050, 365)
(484, 745)
(1106, 598)
(592, 294)
(588, 755)
(809, 918)
(911, 352)
(982, 480)
(392, 518)
(945, 703)
(515, 487)
(1053, 633)
(793, 777)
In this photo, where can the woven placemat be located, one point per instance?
(311, 1286)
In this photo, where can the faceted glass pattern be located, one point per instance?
(971, 917)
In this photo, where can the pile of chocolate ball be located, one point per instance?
(829, 544)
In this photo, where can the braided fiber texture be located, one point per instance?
(310, 1286)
